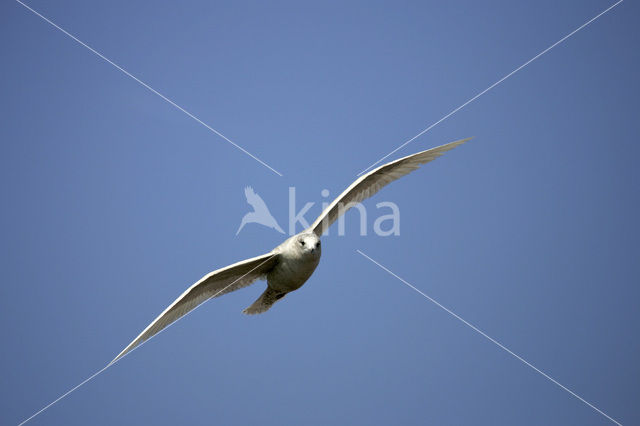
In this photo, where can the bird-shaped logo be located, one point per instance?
(260, 213)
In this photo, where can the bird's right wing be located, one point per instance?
(214, 284)
(372, 182)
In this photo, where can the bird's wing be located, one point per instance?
(367, 185)
(214, 284)
(255, 200)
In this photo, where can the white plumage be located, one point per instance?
(288, 266)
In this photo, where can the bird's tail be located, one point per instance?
(264, 302)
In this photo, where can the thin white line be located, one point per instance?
(493, 85)
(65, 394)
(151, 88)
(136, 347)
(491, 339)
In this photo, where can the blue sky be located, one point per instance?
(113, 202)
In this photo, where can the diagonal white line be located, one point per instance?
(491, 339)
(142, 83)
(88, 379)
(492, 86)
(97, 373)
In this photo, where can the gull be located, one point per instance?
(288, 266)
(260, 213)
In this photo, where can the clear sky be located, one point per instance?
(113, 202)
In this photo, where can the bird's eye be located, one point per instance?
(301, 242)
(318, 244)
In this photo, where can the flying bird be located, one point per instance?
(260, 213)
(288, 266)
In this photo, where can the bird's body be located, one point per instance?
(298, 257)
(288, 266)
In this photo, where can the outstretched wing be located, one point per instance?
(255, 200)
(214, 284)
(373, 181)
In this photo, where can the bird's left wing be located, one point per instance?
(214, 284)
(367, 185)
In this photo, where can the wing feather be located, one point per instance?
(214, 284)
(367, 185)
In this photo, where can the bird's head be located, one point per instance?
(307, 244)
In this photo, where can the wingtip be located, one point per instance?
(116, 359)
(447, 146)
(121, 355)
(461, 141)
(455, 144)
